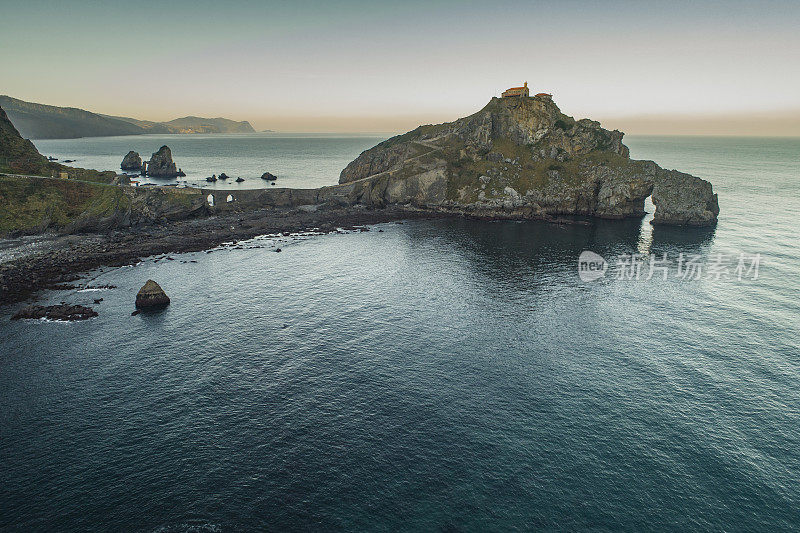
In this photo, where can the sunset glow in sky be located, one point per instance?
(373, 66)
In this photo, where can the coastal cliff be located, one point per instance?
(523, 158)
(18, 155)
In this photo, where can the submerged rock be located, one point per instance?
(63, 312)
(151, 296)
(161, 164)
(132, 161)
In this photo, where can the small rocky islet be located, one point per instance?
(160, 164)
(151, 296)
(132, 161)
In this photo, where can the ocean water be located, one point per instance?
(300, 160)
(447, 375)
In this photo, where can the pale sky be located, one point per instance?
(373, 66)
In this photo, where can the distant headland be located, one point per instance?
(40, 121)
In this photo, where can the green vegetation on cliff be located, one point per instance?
(31, 204)
(20, 156)
(32, 201)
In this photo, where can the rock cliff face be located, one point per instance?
(132, 161)
(18, 155)
(523, 158)
(161, 165)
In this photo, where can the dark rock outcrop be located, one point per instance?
(223, 176)
(239, 179)
(151, 296)
(18, 155)
(63, 312)
(161, 164)
(132, 161)
(268, 176)
(523, 158)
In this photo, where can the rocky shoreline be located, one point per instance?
(59, 259)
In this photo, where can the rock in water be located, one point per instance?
(132, 161)
(161, 165)
(63, 312)
(223, 176)
(268, 176)
(239, 179)
(522, 157)
(151, 296)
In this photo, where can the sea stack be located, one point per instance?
(132, 161)
(161, 164)
(151, 296)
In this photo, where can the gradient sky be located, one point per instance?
(374, 66)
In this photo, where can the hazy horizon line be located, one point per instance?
(752, 123)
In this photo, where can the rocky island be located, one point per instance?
(521, 157)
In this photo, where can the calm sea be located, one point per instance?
(305, 160)
(447, 375)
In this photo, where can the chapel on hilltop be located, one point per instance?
(517, 91)
(524, 91)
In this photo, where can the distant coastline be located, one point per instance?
(41, 121)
